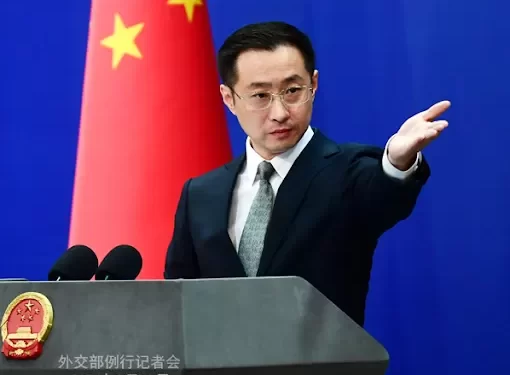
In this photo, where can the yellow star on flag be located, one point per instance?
(122, 41)
(189, 6)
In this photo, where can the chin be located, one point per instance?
(282, 146)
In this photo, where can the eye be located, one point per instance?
(260, 95)
(293, 90)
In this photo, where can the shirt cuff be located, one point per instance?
(394, 172)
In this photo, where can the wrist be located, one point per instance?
(402, 163)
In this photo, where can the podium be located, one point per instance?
(266, 326)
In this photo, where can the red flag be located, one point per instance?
(152, 117)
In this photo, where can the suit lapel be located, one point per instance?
(292, 192)
(220, 215)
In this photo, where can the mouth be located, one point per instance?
(280, 131)
(281, 134)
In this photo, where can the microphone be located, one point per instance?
(77, 263)
(123, 262)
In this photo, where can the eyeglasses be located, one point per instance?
(291, 96)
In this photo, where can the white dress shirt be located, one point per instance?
(247, 183)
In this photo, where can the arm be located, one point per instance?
(181, 261)
(383, 196)
(386, 184)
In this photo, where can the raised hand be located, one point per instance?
(415, 134)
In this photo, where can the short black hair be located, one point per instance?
(266, 36)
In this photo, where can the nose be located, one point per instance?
(278, 111)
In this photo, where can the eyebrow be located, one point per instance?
(289, 79)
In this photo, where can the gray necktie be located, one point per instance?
(254, 232)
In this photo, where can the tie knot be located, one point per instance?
(265, 170)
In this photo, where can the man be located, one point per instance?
(295, 203)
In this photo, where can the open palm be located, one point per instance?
(416, 133)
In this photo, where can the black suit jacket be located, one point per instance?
(328, 215)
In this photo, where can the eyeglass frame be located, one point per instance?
(280, 95)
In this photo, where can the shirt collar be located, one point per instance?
(281, 163)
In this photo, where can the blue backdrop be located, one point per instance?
(440, 293)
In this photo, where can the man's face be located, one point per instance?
(277, 128)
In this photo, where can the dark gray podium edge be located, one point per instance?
(295, 368)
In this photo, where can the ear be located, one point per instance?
(228, 97)
(315, 82)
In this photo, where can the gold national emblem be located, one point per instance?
(26, 324)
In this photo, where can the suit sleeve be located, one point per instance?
(181, 262)
(380, 200)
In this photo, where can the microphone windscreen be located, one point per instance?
(79, 262)
(123, 262)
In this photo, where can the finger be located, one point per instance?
(436, 110)
(431, 134)
(438, 125)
